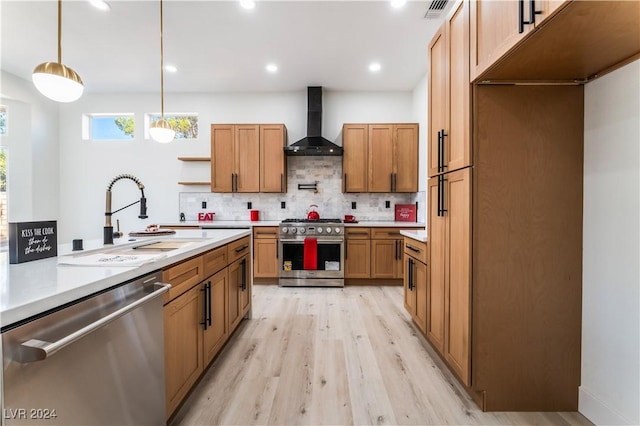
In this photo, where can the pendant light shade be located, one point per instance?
(55, 80)
(161, 131)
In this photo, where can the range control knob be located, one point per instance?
(285, 229)
(293, 230)
(328, 230)
(302, 230)
(319, 230)
(337, 230)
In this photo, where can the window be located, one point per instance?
(184, 124)
(3, 120)
(108, 127)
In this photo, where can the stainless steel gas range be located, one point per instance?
(311, 253)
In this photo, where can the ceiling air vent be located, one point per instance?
(436, 7)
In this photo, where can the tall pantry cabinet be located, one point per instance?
(505, 230)
(448, 219)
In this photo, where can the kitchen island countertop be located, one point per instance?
(416, 234)
(31, 288)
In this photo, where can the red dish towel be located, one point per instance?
(310, 255)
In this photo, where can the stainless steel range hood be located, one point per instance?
(313, 144)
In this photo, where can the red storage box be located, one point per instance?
(405, 212)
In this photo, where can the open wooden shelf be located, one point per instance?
(195, 183)
(194, 158)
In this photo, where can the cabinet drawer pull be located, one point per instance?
(239, 249)
(358, 233)
(412, 248)
(265, 233)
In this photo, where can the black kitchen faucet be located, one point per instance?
(108, 227)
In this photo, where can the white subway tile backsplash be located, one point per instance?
(331, 201)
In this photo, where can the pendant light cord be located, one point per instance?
(161, 64)
(59, 31)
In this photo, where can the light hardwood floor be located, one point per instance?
(330, 356)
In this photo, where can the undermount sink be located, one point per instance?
(162, 245)
(127, 255)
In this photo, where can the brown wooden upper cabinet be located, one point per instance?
(380, 157)
(450, 92)
(497, 26)
(273, 166)
(248, 158)
(568, 41)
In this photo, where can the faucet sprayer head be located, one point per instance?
(143, 207)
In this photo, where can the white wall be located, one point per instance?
(610, 389)
(420, 111)
(32, 151)
(87, 167)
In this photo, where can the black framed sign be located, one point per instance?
(32, 241)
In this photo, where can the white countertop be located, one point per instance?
(250, 224)
(416, 234)
(30, 288)
(385, 224)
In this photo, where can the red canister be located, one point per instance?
(255, 215)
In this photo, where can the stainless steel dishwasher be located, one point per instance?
(99, 361)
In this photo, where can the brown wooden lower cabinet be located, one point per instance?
(374, 253)
(183, 346)
(416, 283)
(200, 317)
(239, 290)
(265, 252)
(357, 258)
(217, 330)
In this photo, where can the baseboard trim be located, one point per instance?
(597, 411)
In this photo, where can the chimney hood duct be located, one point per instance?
(313, 144)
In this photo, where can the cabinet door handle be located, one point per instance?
(410, 263)
(209, 315)
(346, 246)
(444, 166)
(533, 12)
(412, 248)
(439, 196)
(243, 267)
(443, 195)
(344, 183)
(204, 306)
(281, 182)
(439, 148)
(521, 20)
(395, 253)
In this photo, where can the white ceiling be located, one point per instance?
(219, 47)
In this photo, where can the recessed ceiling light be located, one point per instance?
(398, 3)
(170, 68)
(272, 68)
(247, 4)
(100, 4)
(375, 67)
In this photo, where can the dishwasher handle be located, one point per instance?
(39, 350)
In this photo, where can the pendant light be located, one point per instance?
(161, 131)
(54, 79)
